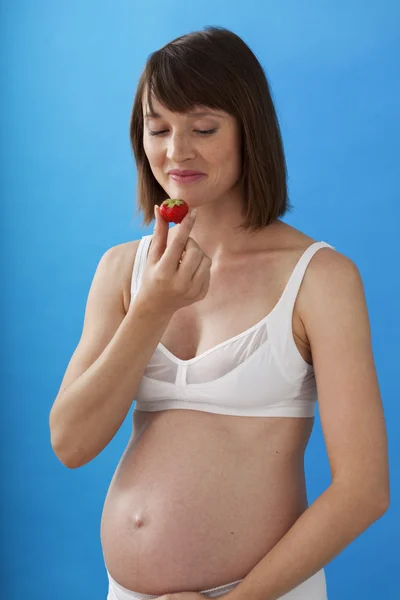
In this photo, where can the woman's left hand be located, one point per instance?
(182, 596)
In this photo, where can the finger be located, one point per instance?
(201, 280)
(175, 249)
(204, 287)
(191, 260)
(159, 238)
(202, 274)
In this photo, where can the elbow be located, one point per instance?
(69, 460)
(72, 459)
(377, 504)
(383, 505)
(70, 450)
(68, 463)
(370, 501)
(380, 496)
(69, 457)
(62, 447)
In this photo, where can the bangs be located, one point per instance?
(183, 83)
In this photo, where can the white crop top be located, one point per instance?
(258, 372)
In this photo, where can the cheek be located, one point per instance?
(152, 152)
(229, 159)
(227, 150)
(235, 157)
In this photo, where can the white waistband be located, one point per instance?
(118, 592)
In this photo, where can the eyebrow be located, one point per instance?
(192, 115)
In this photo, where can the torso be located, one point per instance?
(198, 498)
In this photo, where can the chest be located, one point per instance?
(237, 299)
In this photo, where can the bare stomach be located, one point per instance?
(198, 499)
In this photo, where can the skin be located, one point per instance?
(332, 306)
(217, 196)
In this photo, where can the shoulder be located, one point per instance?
(332, 289)
(121, 256)
(120, 260)
(331, 285)
(327, 267)
(330, 271)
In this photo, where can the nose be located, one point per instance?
(180, 148)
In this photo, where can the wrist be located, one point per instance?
(143, 308)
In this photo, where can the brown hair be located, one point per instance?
(215, 68)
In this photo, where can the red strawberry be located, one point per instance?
(173, 210)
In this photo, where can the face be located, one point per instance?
(203, 140)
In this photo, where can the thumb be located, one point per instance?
(160, 236)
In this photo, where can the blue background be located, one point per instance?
(69, 71)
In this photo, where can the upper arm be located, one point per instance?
(336, 320)
(104, 311)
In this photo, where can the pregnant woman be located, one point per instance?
(226, 329)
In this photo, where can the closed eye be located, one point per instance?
(201, 132)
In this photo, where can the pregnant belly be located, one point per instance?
(192, 507)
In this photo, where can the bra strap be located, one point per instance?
(140, 263)
(293, 285)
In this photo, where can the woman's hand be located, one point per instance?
(176, 275)
(182, 596)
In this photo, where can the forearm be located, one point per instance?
(328, 525)
(88, 414)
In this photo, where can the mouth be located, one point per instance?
(183, 178)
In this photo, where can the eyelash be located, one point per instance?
(202, 132)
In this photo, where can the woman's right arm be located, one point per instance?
(101, 380)
(103, 374)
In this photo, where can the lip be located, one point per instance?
(184, 172)
(186, 178)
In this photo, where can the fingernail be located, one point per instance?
(193, 214)
(155, 210)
